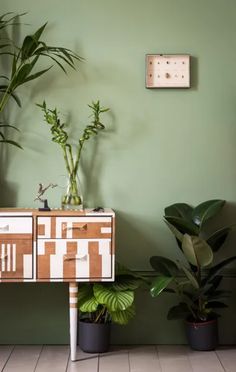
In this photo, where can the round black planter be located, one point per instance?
(202, 336)
(94, 337)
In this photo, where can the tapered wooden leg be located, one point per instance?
(73, 298)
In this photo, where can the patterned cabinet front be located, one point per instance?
(75, 248)
(16, 248)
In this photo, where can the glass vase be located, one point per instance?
(72, 198)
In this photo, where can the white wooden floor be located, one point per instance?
(120, 359)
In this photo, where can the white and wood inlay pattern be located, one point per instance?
(80, 258)
(57, 246)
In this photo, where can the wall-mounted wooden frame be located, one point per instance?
(167, 71)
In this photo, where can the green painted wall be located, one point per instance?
(160, 147)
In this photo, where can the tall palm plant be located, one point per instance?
(23, 62)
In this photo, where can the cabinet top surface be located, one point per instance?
(53, 212)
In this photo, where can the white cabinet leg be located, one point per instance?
(73, 298)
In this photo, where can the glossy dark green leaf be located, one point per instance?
(164, 266)
(182, 210)
(216, 305)
(215, 270)
(190, 276)
(206, 210)
(176, 232)
(182, 225)
(180, 311)
(217, 239)
(213, 285)
(159, 284)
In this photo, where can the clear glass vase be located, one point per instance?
(72, 198)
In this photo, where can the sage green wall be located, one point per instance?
(160, 147)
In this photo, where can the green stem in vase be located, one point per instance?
(60, 136)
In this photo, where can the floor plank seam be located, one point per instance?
(98, 363)
(8, 358)
(217, 356)
(68, 361)
(129, 361)
(38, 358)
(157, 351)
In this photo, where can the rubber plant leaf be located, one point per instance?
(182, 225)
(215, 270)
(213, 285)
(123, 316)
(206, 210)
(216, 305)
(176, 232)
(190, 276)
(113, 300)
(179, 210)
(217, 239)
(159, 284)
(164, 266)
(180, 311)
(197, 251)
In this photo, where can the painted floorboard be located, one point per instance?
(85, 363)
(114, 361)
(23, 359)
(5, 352)
(227, 356)
(53, 359)
(174, 358)
(204, 361)
(144, 358)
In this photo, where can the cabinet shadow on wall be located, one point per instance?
(194, 73)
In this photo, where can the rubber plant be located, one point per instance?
(23, 60)
(110, 302)
(73, 197)
(196, 278)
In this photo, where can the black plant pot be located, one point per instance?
(202, 335)
(94, 337)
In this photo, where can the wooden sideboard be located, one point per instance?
(58, 246)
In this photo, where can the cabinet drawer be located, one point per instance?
(16, 225)
(78, 227)
(16, 259)
(74, 259)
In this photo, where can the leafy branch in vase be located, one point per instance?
(60, 136)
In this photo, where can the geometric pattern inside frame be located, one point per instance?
(74, 247)
(167, 71)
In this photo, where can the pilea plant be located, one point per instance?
(23, 60)
(72, 198)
